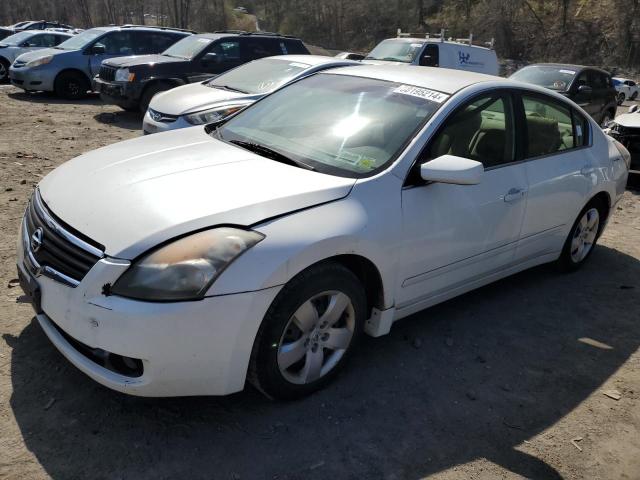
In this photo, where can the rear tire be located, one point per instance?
(308, 333)
(4, 70)
(71, 85)
(583, 236)
(634, 96)
(621, 98)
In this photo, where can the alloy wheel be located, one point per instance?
(584, 235)
(316, 337)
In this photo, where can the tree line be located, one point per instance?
(597, 32)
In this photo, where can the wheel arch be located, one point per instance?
(73, 70)
(604, 198)
(174, 82)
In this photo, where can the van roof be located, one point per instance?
(435, 40)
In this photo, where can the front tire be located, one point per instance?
(4, 70)
(150, 92)
(309, 332)
(583, 236)
(71, 85)
(621, 98)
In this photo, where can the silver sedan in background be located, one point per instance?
(27, 41)
(226, 94)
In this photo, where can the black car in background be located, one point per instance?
(131, 82)
(590, 87)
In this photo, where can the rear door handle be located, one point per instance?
(514, 194)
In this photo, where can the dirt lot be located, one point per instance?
(495, 384)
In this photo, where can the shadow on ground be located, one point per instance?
(494, 368)
(50, 97)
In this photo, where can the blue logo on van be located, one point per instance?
(463, 57)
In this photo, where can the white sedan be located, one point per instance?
(262, 247)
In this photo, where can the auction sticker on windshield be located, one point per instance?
(425, 93)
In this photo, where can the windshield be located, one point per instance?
(337, 124)
(396, 51)
(16, 39)
(81, 40)
(188, 47)
(261, 76)
(555, 78)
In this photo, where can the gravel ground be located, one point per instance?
(505, 382)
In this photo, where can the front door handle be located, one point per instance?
(514, 194)
(587, 171)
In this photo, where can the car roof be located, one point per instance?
(435, 40)
(568, 66)
(147, 28)
(313, 60)
(441, 79)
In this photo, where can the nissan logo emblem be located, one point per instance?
(36, 240)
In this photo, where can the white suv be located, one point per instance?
(627, 89)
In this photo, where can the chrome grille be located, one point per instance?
(107, 73)
(53, 249)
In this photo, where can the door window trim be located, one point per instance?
(548, 98)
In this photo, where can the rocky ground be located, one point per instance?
(537, 376)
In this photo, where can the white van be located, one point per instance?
(459, 54)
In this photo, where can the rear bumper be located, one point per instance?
(125, 95)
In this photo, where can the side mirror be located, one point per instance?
(585, 89)
(452, 169)
(633, 108)
(98, 49)
(211, 58)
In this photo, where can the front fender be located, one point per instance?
(299, 240)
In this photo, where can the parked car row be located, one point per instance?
(314, 199)
(35, 25)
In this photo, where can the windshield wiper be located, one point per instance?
(227, 87)
(267, 152)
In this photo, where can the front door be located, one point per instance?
(115, 44)
(457, 235)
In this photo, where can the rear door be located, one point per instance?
(585, 98)
(559, 171)
(260, 47)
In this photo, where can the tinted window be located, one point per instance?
(598, 80)
(227, 49)
(430, 56)
(117, 43)
(292, 47)
(261, 47)
(549, 126)
(151, 42)
(482, 130)
(60, 39)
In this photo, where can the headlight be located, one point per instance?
(185, 268)
(213, 115)
(39, 61)
(123, 75)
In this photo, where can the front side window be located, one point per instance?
(396, 51)
(227, 50)
(431, 56)
(117, 43)
(337, 124)
(482, 131)
(261, 76)
(42, 40)
(549, 126)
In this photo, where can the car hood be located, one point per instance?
(133, 195)
(141, 60)
(44, 52)
(629, 120)
(196, 97)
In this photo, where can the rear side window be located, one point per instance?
(551, 127)
(599, 80)
(152, 42)
(261, 47)
(60, 39)
(482, 130)
(292, 47)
